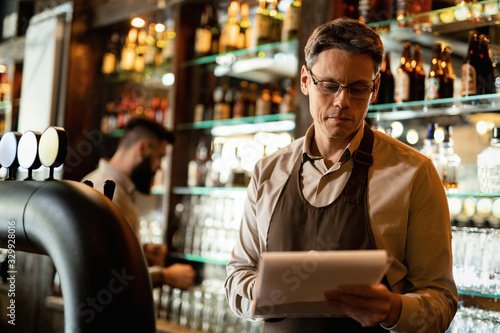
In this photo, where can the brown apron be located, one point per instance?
(342, 225)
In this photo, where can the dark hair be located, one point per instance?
(138, 128)
(348, 35)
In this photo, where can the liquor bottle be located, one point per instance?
(448, 162)
(262, 24)
(218, 97)
(485, 81)
(470, 67)
(291, 22)
(288, 105)
(169, 37)
(252, 100)
(197, 167)
(238, 177)
(435, 79)
(128, 51)
(245, 36)
(430, 148)
(276, 99)
(418, 90)
(232, 27)
(276, 21)
(214, 23)
(227, 110)
(151, 48)
(404, 77)
(446, 88)
(240, 103)
(263, 103)
(139, 63)
(203, 34)
(109, 58)
(488, 165)
(199, 109)
(386, 89)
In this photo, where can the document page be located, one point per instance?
(293, 283)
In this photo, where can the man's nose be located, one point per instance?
(342, 99)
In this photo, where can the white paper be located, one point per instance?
(293, 283)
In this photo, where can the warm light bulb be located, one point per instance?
(397, 129)
(138, 22)
(159, 27)
(412, 137)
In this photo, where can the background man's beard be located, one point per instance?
(142, 176)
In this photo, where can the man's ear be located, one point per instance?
(304, 76)
(376, 88)
(142, 148)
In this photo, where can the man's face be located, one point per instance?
(338, 116)
(144, 172)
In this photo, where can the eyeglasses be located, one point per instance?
(359, 91)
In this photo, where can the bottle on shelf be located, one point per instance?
(231, 29)
(263, 103)
(140, 62)
(151, 47)
(245, 36)
(276, 21)
(203, 34)
(448, 162)
(446, 90)
(262, 24)
(485, 80)
(435, 78)
(169, 38)
(289, 96)
(238, 177)
(128, 51)
(252, 100)
(291, 22)
(228, 101)
(418, 90)
(430, 147)
(276, 99)
(386, 89)
(197, 171)
(470, 67)
(214, 23)
(218, 97)
(240, 101)
(199, 109)
(109, 60)
(404, 76)
(488, 165)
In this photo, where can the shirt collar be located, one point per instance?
(119, 177)
(351, 147)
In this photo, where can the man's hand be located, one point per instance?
(368, 305)
(179, 276)
(155, 254)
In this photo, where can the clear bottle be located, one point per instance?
(488, 165)
(448, 162)
(430, 148)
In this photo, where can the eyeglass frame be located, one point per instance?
(341, 87)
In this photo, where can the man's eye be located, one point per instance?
(358, 89)
(331, 86)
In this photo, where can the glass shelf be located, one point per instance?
(473, 194)
(445, 20)
(238, 121)
(288, 47)
(208, 190)
(264, 63)
(434, 108)
(477, 294)
(198, 258)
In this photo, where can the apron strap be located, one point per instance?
(363, 159)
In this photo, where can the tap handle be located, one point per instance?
(89, 183)
(109, 188)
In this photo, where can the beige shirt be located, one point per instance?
(409, 217)
(124, 191)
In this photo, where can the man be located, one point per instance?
(132, 167)
(342, 187)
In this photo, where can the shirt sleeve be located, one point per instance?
(242, 267)
(430, 295)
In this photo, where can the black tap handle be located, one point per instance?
(89, 183)
(109, 188)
